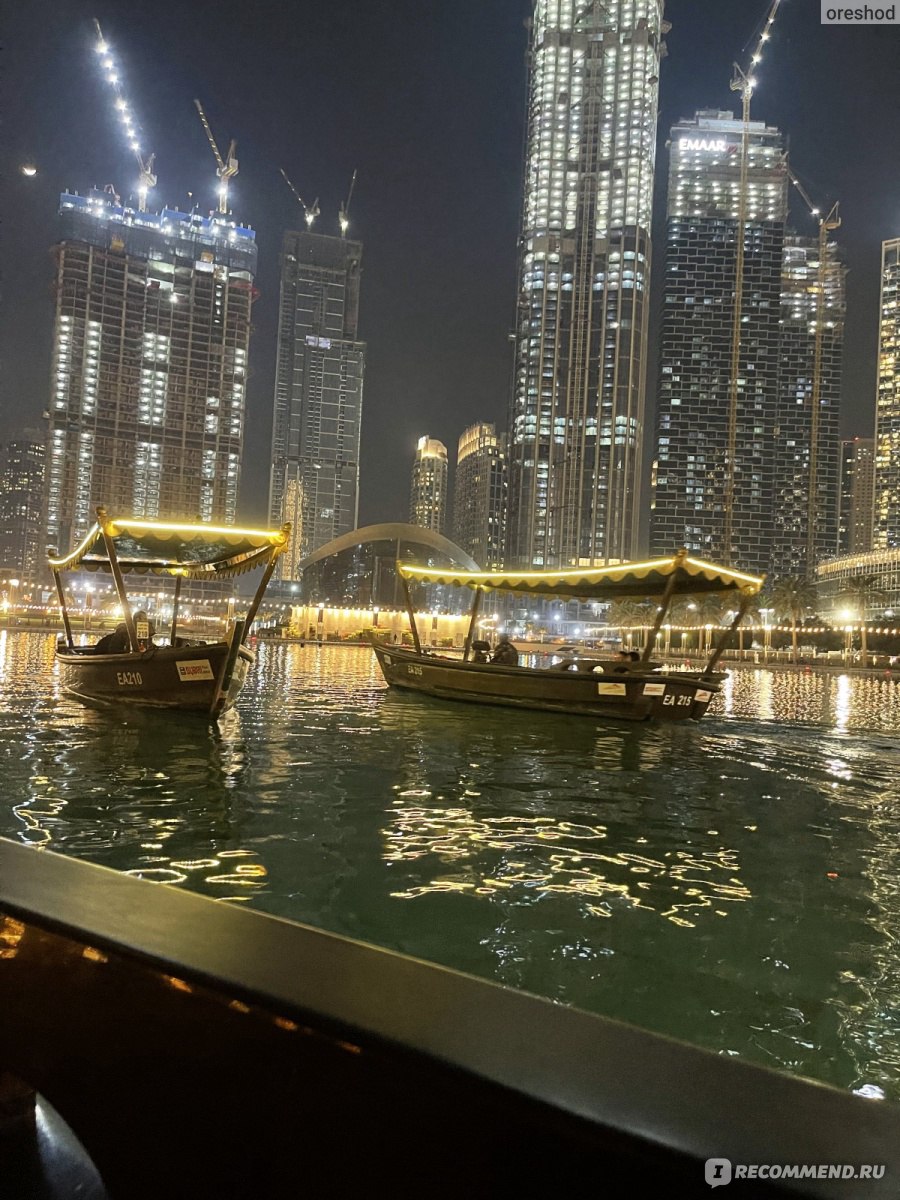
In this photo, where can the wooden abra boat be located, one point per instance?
(194, 675)
(637, 691)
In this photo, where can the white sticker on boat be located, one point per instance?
(654, 689)
(611, 689)
(196, 668)
(387, 660)
(702, 696)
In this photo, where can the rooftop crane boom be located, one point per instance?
(344, 214)
(310, 212)
(146, 178)
(827, 224)
(226, 168)
(743, 82)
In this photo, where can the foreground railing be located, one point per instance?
(197, 1049)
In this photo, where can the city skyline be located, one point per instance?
(691, 39)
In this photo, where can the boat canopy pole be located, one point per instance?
(110, 544)
(723, 640)
(65, 612)
(476, 604)
(264, 582)
(175, 599)
(663, 606)
(412, 615)
(255, 602)
(223, 683)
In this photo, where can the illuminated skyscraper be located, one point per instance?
(695, 362)
(480, 495)
(22, 538)
(318, 386)
(886, 532)
(807, 441)
(856, 501)
(428, 491)
(146, 410)
(581, 337)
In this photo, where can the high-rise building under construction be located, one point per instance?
(151, 339)
(806, 452)
(581, 334)
(318, 389)
(691, 470)
(886, 528)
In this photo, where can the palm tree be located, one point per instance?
(863, 592)
(792, 596)
(628, 613)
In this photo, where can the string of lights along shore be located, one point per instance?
(152, 322)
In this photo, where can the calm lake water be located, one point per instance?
(734, 883)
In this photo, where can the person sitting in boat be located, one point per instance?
(117, 642)
(481, 652)
(626, 660)
(506, 655)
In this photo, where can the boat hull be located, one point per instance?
(634, 695)
(186, 678)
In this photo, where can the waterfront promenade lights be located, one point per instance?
(847, 615)
(766, 613)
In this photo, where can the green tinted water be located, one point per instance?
(734, 883)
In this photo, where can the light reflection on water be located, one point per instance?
(735, 883)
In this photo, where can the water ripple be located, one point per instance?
(736, 883)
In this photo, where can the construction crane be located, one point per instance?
(827, 224)
(743, 82)
(146, 178)
(310, 212)
(344, 214)
(227, 167)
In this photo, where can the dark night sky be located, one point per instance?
(427, 99)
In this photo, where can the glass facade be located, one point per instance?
(886, 531)
(807, 443)
(480, 495)
(22, 547)
(856, 501)
(581, 336)
(834, 577)
(689, 477)
(318, 388)
(152, 333)
(428, 488)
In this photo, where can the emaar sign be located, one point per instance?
(717, 145)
